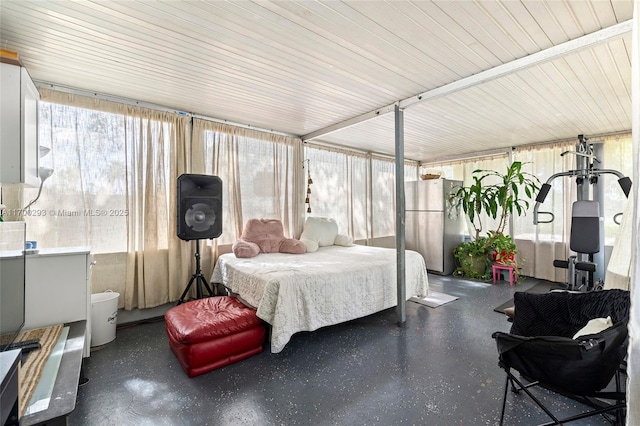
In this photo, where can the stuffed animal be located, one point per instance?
(322, 232)
(265, 236)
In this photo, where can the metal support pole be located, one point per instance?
(598, 195)
(511, 228)
(582, 179)
(400, 217)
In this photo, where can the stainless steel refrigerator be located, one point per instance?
(428, 228)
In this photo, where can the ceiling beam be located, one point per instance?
(543, 56)
(350, 122)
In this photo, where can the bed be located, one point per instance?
(303, 292)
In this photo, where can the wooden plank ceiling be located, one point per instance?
(300, 66)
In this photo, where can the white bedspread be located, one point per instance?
(303, 292)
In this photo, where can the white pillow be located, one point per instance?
(321, 230)
(343, 240)
(594, 326)
(310, 245)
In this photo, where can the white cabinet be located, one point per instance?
(58, 288)
(19, 150)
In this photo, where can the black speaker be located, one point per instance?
(199, 207)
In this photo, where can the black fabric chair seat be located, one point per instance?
(540, 346)
(564, 313)
(583, 366)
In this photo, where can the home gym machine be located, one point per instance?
(586, 269)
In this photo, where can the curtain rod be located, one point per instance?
(506, 151)
(591, 137)
(338, 147)
(480, 154)
(133, 102)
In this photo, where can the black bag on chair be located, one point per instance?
(541, 348)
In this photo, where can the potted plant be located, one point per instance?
(502, 249)
(471, 257)
(496, 195)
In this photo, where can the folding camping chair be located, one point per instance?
(541, 348)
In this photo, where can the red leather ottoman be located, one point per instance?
(210, 333)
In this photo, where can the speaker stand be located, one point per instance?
(196, 278)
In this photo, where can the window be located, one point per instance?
(383, 194)
(361, 201)
(258, 173)
(83, 203)
(544, 161)
(339, 189)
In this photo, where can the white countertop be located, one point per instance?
(61, 251)
(57, 251)
(10, 254)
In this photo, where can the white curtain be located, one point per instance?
(113, 190)
(357, 190)
(383, 194)
(262, 176)
(618, 149)
(539, 245)
(619, 268)
(339, 189)
(157, 261)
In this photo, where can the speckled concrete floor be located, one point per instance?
(440, 369)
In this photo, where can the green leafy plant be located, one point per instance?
(471, 257)
(509, 194)
(502, 249)
(472, 200)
